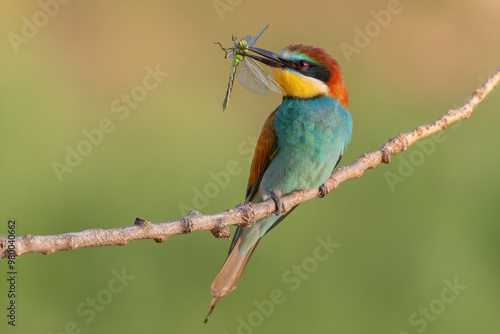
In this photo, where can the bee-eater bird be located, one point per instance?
(300, 144)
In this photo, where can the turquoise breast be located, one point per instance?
(312, 135)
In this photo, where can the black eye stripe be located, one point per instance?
(320, 72)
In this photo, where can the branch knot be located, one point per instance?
(386, 156)
(142, 223)
(248, 214)
(221, 230)
(188, 223)
(403, 142)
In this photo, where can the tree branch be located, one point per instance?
(242, 215)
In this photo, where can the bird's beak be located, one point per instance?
(266, 57)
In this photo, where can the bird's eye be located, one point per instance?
(302, 64)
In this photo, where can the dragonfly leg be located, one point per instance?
(223, 49)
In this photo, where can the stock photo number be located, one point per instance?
(11, 273)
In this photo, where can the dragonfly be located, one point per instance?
(248, 71)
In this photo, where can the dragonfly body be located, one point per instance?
(234, 66)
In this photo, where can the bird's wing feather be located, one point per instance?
(266, 149)
(264, 152)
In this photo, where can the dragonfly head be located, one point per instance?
(304, 71)
(242, 44)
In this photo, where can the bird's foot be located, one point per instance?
(280, 205)
(323, 190)
(241, 204)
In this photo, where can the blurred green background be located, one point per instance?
(400, 243)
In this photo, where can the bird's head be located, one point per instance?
(304, 71)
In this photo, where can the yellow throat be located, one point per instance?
(297, 85)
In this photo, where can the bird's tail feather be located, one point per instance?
(229, 276)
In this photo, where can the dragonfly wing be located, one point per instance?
(274, 85)
(252, 42)
(268, 80)
(250, 79)
(260, 75)
(246, 38)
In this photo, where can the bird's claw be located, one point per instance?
(280, 205)
(242, 204)
(323, 190)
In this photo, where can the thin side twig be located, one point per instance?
(242, 215)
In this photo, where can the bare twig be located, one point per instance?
(243, 215)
